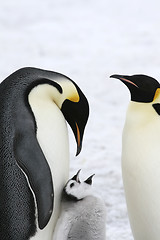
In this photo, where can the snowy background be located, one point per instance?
(88, 40)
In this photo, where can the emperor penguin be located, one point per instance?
(141, 156)
(34, 153)
(83, 212)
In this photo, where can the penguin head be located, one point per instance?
(69, 98)
(76, 190)
(75, 109)
(143, 89)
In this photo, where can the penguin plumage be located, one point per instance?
(140, 156)
(83, 213)
(28, 187)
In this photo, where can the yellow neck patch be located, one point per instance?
(74, 97)
(157, 94)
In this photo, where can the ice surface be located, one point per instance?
(88, 40)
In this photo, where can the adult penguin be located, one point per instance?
(141, 156)
(34, 155)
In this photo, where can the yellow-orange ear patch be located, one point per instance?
(157, 94)
(74, 97)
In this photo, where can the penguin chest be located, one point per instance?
(141, 177)
(53, 139)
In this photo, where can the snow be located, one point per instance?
(88, 40)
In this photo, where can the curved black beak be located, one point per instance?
(78, 139)
(89, 180)
(123, 79)
(76, 177)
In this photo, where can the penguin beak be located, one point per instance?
(76, 114)
(124, 79)
(78, 139)
(89, 180)
(76, 177)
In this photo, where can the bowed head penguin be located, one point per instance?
(83, 213)
(34, 153)
(141, 156)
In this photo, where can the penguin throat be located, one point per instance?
(69, 197)
(140, 114)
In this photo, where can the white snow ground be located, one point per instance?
(88, 40)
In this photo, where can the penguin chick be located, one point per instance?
(83, 214)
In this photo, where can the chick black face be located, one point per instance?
(76, 190)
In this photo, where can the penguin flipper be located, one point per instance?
(157, 107)
(32, 161)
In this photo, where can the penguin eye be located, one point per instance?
(71, 185)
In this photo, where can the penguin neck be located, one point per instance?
(42, 94)
(140, 114)
(52, 136)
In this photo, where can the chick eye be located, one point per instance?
(71, 185)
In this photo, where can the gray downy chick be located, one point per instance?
(83, 214)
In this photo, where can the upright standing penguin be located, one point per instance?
(141, 156)
(34, 155)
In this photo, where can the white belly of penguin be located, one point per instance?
(141, 177)
(53, 138)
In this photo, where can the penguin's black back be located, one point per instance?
(17, 207)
